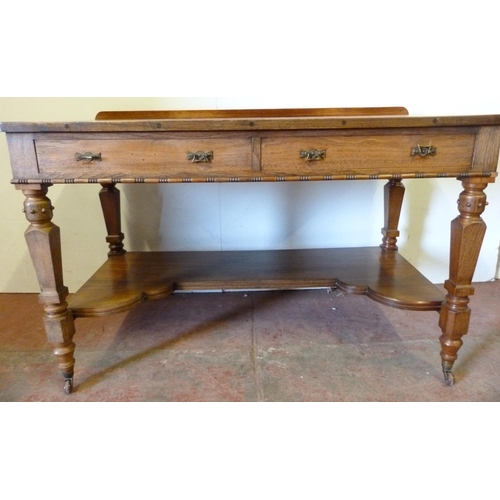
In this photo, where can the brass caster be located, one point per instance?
(449, 378)
(68, 386)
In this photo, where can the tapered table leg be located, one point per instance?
(44, 243)
(394, 192)
(467, 234)
(110, 202)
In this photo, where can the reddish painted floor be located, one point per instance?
(260, 346)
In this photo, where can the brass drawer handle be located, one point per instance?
(313, 155)
(201, 157)
(424, 151)
(88, 157)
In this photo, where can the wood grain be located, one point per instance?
(248, 113)
(253, 124)
(164, 156)
(239, 155)
(376, 154)
(125, 281)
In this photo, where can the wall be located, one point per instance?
(215, 217)
(432, 59)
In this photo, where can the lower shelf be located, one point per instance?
(126, 280)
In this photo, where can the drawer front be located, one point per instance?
(350, 155)
(114, 158)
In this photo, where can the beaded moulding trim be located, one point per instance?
(264, 178)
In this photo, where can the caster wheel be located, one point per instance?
(449, 378)
(68, 386)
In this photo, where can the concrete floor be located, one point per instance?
(260, 346)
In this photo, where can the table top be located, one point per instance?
(248, 120)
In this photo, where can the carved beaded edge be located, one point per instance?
(274, 178)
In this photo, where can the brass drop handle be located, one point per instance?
(313, 155)
(424, 151)
(201, 157)
(88, 157)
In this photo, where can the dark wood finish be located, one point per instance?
(394, 192)
(255, 146)
(111, 207)
(123, 282)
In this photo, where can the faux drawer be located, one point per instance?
(367, 154)
(157, 157)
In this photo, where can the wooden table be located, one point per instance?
(254, 146)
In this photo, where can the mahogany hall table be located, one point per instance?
(254, 146)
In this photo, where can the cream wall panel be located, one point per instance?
(214, 217)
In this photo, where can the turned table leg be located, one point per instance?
(44, 243)
(467, 234)
(110, 202)
(394, 192)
